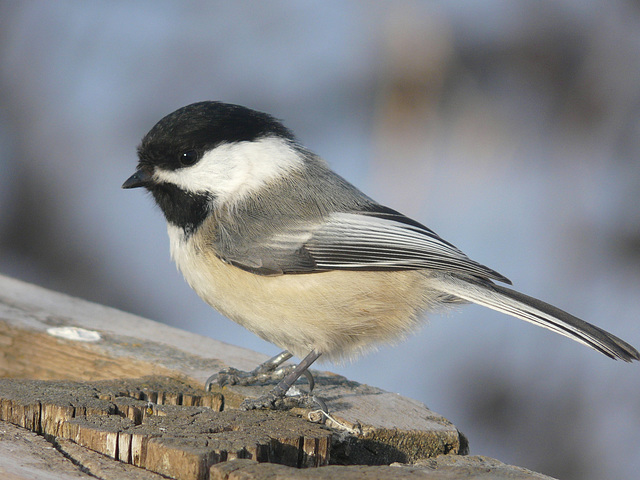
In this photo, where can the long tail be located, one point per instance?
(516, 304)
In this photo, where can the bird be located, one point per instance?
(269, 235)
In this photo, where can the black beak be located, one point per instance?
(142, 178)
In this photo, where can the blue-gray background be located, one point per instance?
(510, 128)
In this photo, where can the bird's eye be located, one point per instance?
(188, 158)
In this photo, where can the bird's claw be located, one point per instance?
(227, 376)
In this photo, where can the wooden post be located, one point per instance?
(84, 375)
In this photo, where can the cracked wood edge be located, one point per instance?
(174, 440)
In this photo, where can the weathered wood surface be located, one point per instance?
(49, 336)
(444, 467)
(172, 439)
(27, 456)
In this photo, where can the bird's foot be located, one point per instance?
(267, 372)
(283, 396)
(260, 376)
(274, 401)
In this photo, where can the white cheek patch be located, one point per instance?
(231, 171)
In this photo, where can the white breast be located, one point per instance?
(338, 313)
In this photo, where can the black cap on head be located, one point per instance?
(202, 126)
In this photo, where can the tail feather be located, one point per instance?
(524, 307)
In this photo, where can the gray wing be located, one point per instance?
(380, 239)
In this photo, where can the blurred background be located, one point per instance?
(510, 128)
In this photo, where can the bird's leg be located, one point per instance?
(263, 373)
(275, 398)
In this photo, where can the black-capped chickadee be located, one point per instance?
(266, 233)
